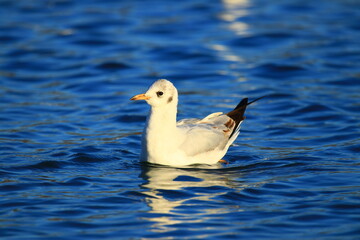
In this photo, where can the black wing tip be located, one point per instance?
(238, 113)
(245, 102)
(242, 103)
(256, 100)
(239, 110)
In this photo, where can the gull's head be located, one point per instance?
(160, 93)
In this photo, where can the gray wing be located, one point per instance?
(208, 134)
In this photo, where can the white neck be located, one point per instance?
(160, 128)
(167, 116)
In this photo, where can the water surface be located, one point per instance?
(70, 137)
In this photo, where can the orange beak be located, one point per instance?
(140, 97)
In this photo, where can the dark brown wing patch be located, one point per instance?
(229, 124)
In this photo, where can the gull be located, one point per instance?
(189, 141)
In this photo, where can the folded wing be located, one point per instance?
(214, 132)
(208, 134)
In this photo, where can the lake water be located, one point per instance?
(70, 137)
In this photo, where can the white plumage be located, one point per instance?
(189, 141)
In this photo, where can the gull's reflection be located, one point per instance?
(178, 195)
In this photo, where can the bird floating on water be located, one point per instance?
(189, 141)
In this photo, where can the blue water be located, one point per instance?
(70, 137)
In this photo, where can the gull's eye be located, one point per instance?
(159, 93)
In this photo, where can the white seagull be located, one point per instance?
(189, 141)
